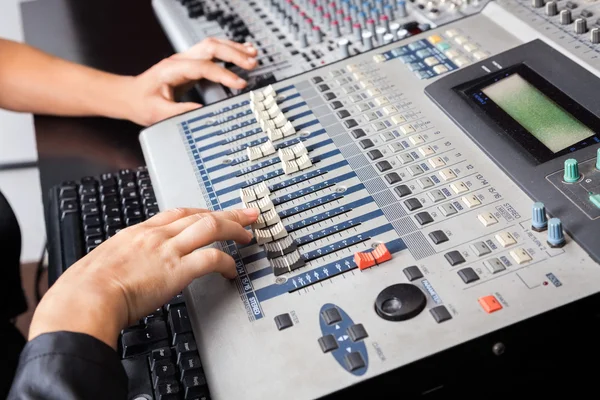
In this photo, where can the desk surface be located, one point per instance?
(117, 36)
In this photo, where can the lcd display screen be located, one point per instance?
(549, 123)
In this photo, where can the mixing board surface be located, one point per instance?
(296, 36)
(413, 198)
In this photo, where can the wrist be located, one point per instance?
(89, 309)
(120, 94)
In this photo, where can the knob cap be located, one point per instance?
(537, 3)
(595, 35)
(565, 17)
(556, 237)
(388, 38)
(551, 8)
(343, 45)
(358, 32)
(367, 39)
(335, 27)
(303, 40)
(400, 302)
(539, 221)
(571, 171)
(401, 11)
(380, 31)
(580, 26)
(318, 34)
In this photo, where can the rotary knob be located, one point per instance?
(367, 39)
(539, 221)
(595, 35)
(537, 3)
(571, 171)
(565, 17)
(580, 26)
(343, 45)
(551, 8)
(556, 237)
(400, 302)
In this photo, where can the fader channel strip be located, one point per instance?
(382, 222)
(297, 36)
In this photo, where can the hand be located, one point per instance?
(153, 92)
(138, 270)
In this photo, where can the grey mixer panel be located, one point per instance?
(387, 234)
(297, 36)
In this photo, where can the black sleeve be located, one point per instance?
(67, 365)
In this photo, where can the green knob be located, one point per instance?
(598, 158)
(571, 171)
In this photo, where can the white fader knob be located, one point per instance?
(343, 45)
(551, 8)
(595, 35)
(565, 17)
(580, 26)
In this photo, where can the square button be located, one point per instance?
(329, 96)
(405, 158)
(343, 114)
(396, 147)
(436, 195)
(331, 316)
(471, 201)
(480, 55)
(381, 100)
(374, 92)
(451, 53)
(489, 304)
(390, 110)
(354, 361)
(413, 204)
(448, 210)
(520, 256)
(336, 104)
(383, 166)
(487, 219)
(470, 47)
(425, 182)
(366, 143)
(505, 239)
(374, 154)
(454, 257)
(283, 321)
(458, 187)
(362, 107)
(424, 218)
(468, 275)
(402, 190)
(426, 151)
(398, 119)
(328, 343)
(355, 98)
(416, 140)
(494, 265)
(392, 178)
(412, 273)
(480, 249)
(317, 79)
(358, 133)
(379, 126)
(357, 332)
(387, 136)
(430, 61)
(323, 88)
(440, 314)
(350, 123)
(370, 116)
(436, 162)
(415, 170)
(447, 174)
(438, 237)
(440, 69)
(461, 61)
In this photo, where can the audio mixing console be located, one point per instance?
(296, 36)
(414, 198)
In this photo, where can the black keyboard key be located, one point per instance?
(108, 190)
(108, 180)
(150, 203)
(88, 180)
(194, 386)
(88, 190)
(179, 322)
(89, 198)
(71, 238)
(111, 210)
(129, 193)
(139, 340)
(110, 232)
(90, 209)
(132, 202)
(138, 377)
(157, 315)
(167, 389)
(94, 241)
(132, 221)
(109, 200)
(67, 193)
(113, 222)
(127, 185)
(133, 212)
(145, 183)
(67, 206)
(159, 355)
(92, 231)
(91, 221)
(175, 301)
(151, 212)
(188, 363)
(163, 369)
(185, 347)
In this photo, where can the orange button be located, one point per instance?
(364, 260)
(490, 304)
(381, 254)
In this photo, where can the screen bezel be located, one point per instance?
(516, 131)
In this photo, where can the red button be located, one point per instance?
(364, 260)
(490, 304)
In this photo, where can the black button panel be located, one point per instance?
(424, 218)
(454, 257)
(383, 166)
(374, 154)
(283, 321)
(328, 343)
(413, 204)
(468, 275)
(366, 143)
(336, 104)
(402, 190)
(354, 361)
(440, 314)
(438, 237)
(412, 273)
(392, 178)
(358, 133)
(357, 332)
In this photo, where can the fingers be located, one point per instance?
(205, 261)
(243, 217)
(232, 52)
(207, 230)
(177, 72)
(168, 216)
(208, 49)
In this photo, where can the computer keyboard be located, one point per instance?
(159, 353)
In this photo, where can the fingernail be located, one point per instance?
(248, 44)
(251, 212)
(252, 60)
(240, 81)
(250, 235)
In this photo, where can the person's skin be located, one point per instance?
(35, 82)
(138, 270)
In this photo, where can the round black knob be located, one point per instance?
(400, 302)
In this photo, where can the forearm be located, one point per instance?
(36, 82)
